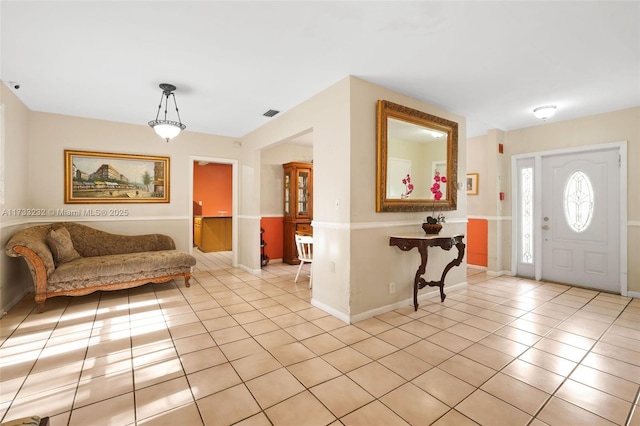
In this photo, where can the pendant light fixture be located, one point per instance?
(167, 129)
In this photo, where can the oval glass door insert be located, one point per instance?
(578, 201)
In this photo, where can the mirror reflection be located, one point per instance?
(415, 154)
(417, 160)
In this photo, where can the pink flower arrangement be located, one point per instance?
(408, 185)
(437, 196)
(435, 188)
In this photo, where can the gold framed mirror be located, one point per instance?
(415, 151)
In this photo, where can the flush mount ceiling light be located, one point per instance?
(545, 112)
(167, 129)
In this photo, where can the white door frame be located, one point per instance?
(537, 241)
(234, 201)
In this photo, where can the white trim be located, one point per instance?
(80, 219)
(634, 294)
(383, 309)
(500, 273)
(491, 218)
(249, 270)
(247, 217)
(624, 267)
(407, 302)
(330, 225)
(272, 215)
(633, 223)
(376, 225)
(331, 311)
(477, 267)
(28, 289)
(621, 147)
(571, 150)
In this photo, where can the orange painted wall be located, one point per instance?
(273, 230)
(213, 185)
(477, 242)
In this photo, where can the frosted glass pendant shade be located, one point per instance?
(167, 129)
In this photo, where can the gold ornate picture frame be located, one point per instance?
(102, 177)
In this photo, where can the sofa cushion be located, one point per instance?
(61, 246)
(100, 270)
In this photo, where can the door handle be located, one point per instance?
(545, 226)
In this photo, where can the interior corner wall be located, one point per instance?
(51, 134)
(271, 191)
(271, 174)
(374, 264)
(15, 279)
(36, 141)
(492, 168)
(327, 114)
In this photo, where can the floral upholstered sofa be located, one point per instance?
(70, 259)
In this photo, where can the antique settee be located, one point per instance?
(70, 259)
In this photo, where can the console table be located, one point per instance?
(408, 241)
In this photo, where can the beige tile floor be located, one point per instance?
(235, 348)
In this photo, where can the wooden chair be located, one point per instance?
(304, 244)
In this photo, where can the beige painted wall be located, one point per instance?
(374, 264)
(35, 144)
(15, 134)
(481, 159)
(271, 174)
(615, 126)
(327, 114)
(353, 262)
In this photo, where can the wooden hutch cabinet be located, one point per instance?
(298, 207)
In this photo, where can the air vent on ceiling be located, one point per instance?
(270, 113)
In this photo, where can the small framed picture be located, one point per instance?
(472, 183)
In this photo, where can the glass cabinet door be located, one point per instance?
(287, 193)
(303, 186)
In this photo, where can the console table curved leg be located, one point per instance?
(455, 262)
(417, 281)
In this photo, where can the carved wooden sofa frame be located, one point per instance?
(106, 261)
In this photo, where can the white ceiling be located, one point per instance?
(492, 62)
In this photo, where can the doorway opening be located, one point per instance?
(273, 206)
(213, 205)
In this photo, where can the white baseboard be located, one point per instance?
(14, 301)
(499, 273)
(249, 270)
(333, 312)
(433, 291)
(479, 268)
(634, 294)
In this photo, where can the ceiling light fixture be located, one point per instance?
(545, 112)
(167, 129)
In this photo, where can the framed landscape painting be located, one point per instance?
(102, 177)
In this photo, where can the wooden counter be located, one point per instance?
(212, 233)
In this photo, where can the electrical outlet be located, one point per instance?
(333, 266)
(392, 288)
